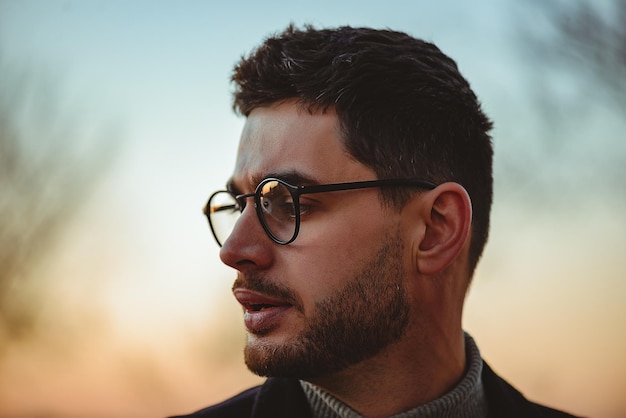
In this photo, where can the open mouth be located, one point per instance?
(258, 307)
(256, 302)
(262, 313)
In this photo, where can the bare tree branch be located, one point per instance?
(47, 171)
(575, 57)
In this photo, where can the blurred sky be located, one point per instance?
(140, 254)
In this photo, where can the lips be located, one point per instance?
(262, 313)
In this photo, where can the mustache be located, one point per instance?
(261, 284)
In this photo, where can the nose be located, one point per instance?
(248, 246)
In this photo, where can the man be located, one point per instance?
(355, 217)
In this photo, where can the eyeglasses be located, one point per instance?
(277, 205)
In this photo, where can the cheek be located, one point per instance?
(322, 263)
(316, 273)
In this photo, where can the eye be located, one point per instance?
(279, 206)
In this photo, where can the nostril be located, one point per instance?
(243, 263)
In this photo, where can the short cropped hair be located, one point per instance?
(403, 108)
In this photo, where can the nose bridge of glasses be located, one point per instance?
(242, 199)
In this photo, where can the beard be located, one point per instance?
(355, 323)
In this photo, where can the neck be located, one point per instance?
(409, 373)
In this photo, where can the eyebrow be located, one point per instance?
(292, 177)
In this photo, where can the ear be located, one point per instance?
(447, 216)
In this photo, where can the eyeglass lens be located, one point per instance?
(223, 212)
(275, 208)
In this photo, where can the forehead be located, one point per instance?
(285, 138)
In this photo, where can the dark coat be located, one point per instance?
(284, 398)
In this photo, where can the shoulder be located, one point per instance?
(506, 401)
(276, 398)
(238, 406)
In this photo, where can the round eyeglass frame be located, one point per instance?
(296, 192)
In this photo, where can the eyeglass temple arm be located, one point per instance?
(365, 184)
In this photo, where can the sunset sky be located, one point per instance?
(138, 319)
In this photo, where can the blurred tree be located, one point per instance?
(575, 53)
(49, 164)
(587, 40)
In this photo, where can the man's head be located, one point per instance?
(404, 109)
(338, 271)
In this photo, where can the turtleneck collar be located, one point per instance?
(465, 400)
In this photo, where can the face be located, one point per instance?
(335, 296)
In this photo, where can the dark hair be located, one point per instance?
(403, 107)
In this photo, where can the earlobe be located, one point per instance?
(447, 214)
